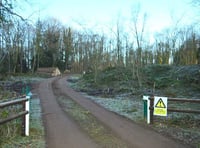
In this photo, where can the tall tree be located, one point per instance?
(11, 37)
(138, 31)
(38, 43)
(68, 46)
(51, 42)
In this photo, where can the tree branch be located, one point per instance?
(11, 12)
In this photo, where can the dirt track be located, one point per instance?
(62, 132)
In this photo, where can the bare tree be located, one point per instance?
(119, 43)
(6, 9)
(138, 30)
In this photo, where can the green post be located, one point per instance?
(23, 90)
(145, 109)
(27, 89)
(145, 105)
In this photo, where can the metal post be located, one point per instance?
(148, 112)
(146, 108)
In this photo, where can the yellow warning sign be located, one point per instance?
(160, 106)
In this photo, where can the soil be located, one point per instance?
(63, 132)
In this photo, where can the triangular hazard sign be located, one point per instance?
(160, 104)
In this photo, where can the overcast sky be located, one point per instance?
(101, 13)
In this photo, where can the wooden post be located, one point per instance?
(151, 108)
(23, 119)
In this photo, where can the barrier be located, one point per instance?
(24, 114)
(149, 107)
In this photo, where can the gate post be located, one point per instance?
(151, 108)
(146, 108)
(27, 116)
(23, 118)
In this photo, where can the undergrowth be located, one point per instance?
(172, 81)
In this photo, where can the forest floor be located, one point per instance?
(175, 82)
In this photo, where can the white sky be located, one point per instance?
(104, 13)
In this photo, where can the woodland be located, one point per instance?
(25, 46)
(112, 63)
